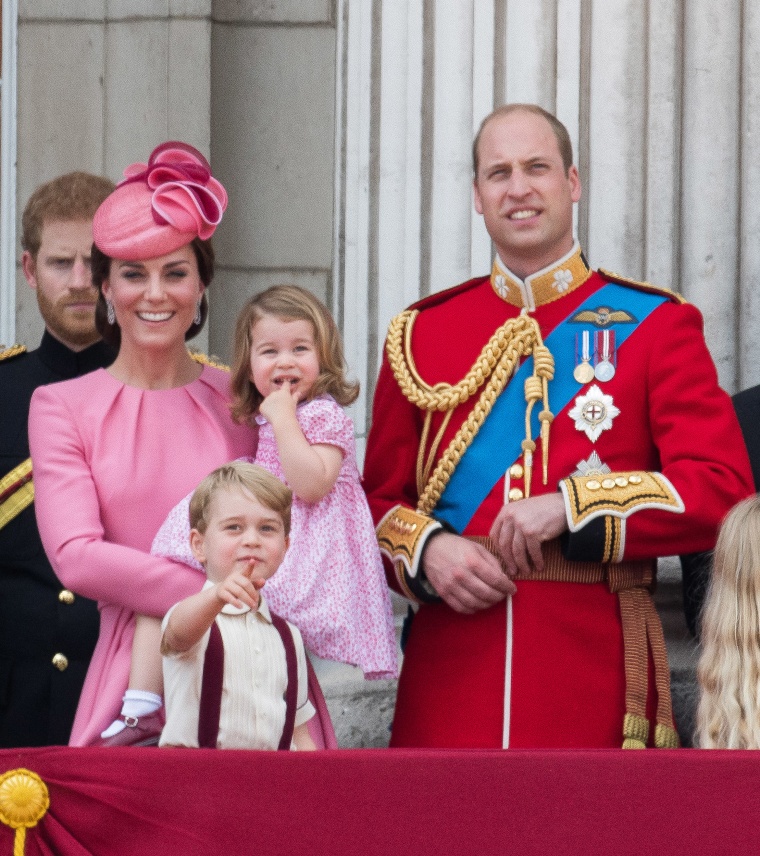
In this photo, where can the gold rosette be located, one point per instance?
(24, 801)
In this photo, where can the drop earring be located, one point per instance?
(110, 314)
(198, 317)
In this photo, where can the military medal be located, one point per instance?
(592, 466)
(593, 413)
(583, 372)
(605, 369)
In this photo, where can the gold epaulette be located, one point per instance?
(13, 351)
(641, 285)
(401, 535)
(206, 360)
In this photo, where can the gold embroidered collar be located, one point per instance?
(547, 285)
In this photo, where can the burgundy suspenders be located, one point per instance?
(211, 690)
(291, 691)
(213, 676)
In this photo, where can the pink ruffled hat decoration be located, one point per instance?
(160, 206)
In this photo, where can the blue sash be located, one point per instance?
(498, 443)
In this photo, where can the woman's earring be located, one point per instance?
(110, 314)
(198, 317)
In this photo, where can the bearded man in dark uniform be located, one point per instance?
(47, 633)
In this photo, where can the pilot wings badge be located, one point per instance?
(603, 316)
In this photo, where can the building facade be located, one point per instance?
(342, 130)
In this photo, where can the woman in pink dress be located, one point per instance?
(115, 450)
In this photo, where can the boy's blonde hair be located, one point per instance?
(289, 303)
(269, 491)
(728, 716)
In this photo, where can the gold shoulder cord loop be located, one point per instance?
(423, 471)
(516, 338)
(537, 389)
(442, 396)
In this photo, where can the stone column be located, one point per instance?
(100, 83)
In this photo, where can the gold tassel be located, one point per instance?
(666, 737)
(546, 417)
(635, 731)
(528, 447)
(544, 368)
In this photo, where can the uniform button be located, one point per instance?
(516, 471)
(515, 494)
(61, 662)
(621, 481)
(608, 484)
(634, 479)
(66, 596)
(593, 484)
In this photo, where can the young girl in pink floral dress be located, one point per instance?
(288, 376)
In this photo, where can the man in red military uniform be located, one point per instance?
(539, 438)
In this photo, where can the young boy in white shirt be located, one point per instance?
(234, 673)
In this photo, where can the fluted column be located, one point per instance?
(710, 203)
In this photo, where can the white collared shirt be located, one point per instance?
(255, 679)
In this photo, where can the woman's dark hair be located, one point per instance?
(101, 268)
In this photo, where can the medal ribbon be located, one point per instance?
(494, 450)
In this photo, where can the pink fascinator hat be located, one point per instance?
(160, 206)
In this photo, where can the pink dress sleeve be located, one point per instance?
(324, 422)
(172, 540)
(69, 519)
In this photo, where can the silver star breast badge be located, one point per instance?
(592, 466)
(593, 413)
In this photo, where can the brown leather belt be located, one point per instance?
(642, 633)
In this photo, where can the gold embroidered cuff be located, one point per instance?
(401, 536)
(618, 495)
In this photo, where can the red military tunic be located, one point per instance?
(546, 667)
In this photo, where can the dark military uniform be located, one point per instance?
(47, 634)
(696, 566)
